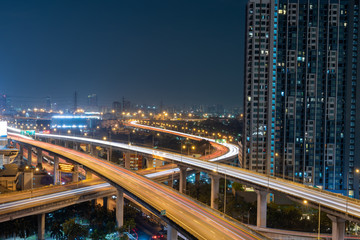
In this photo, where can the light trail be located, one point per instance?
(195, 218)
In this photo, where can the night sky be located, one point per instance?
(180, 52)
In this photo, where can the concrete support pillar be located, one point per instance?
(88, 148)
(197, 177)
(338, 227)
(171, 233)
(93, 151)
(182, 179)
(120, 208)
(39, 156)
(41, 226)
(127, 160)
(28, 181)
(66, 144)
(108, 154)
(29, 156)
(170, 183)
(88, 175)
(214, 191)
(105, 203)
(21, 152)
(75, 175)
(56, 170)
(76, 146)
(261, 208)
(149, 162)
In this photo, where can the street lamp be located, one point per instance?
(192, 147)
(225, 188)
(319, 219)
(249, 216)
(347, 181)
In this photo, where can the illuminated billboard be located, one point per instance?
(64, 167)
(3, 129)
(27, 132)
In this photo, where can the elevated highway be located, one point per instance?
(42, 191)
(337, 204)
(230, 151)
(194, 220)
(59, 197)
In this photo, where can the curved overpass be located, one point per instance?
(193, 219)
(337, 202)
(348, 208)
(232, 150)
(58, 197)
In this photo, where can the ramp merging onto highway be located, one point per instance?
(345, 206)
(196, 221)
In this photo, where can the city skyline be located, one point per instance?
(113, 48)
(180, 119)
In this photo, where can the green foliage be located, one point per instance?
(291, 217)
(56, 230)
(102, 221)
(73, 230)
(237, 187)
(283, 217)
(24, 227)
(200, 191)
(21, 227)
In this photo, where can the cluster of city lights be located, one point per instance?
(189, 130)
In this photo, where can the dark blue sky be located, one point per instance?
(183, 52)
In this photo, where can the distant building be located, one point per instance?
(8, 176)
(2, 102)
(75, 122)
(302, 74)
(48, 104)
(126, 105)
(116, 107)
(136, 161)
(92, 102)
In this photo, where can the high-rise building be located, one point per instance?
(116, 107)
(2, 103)
(92, 100)
(48, 103)
(300, 95)
(126, 105)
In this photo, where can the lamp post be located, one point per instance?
(225, 188)
(319, 218)
(319, 221)
(182, 147)
(249, 215)
(193, 148)
(347, 181)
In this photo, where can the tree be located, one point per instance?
(129, 224)
(73, 231)
(103, 221)
(236, 188)
(56, 230)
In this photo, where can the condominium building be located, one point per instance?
(300, 93)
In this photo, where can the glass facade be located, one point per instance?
(304, 127)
